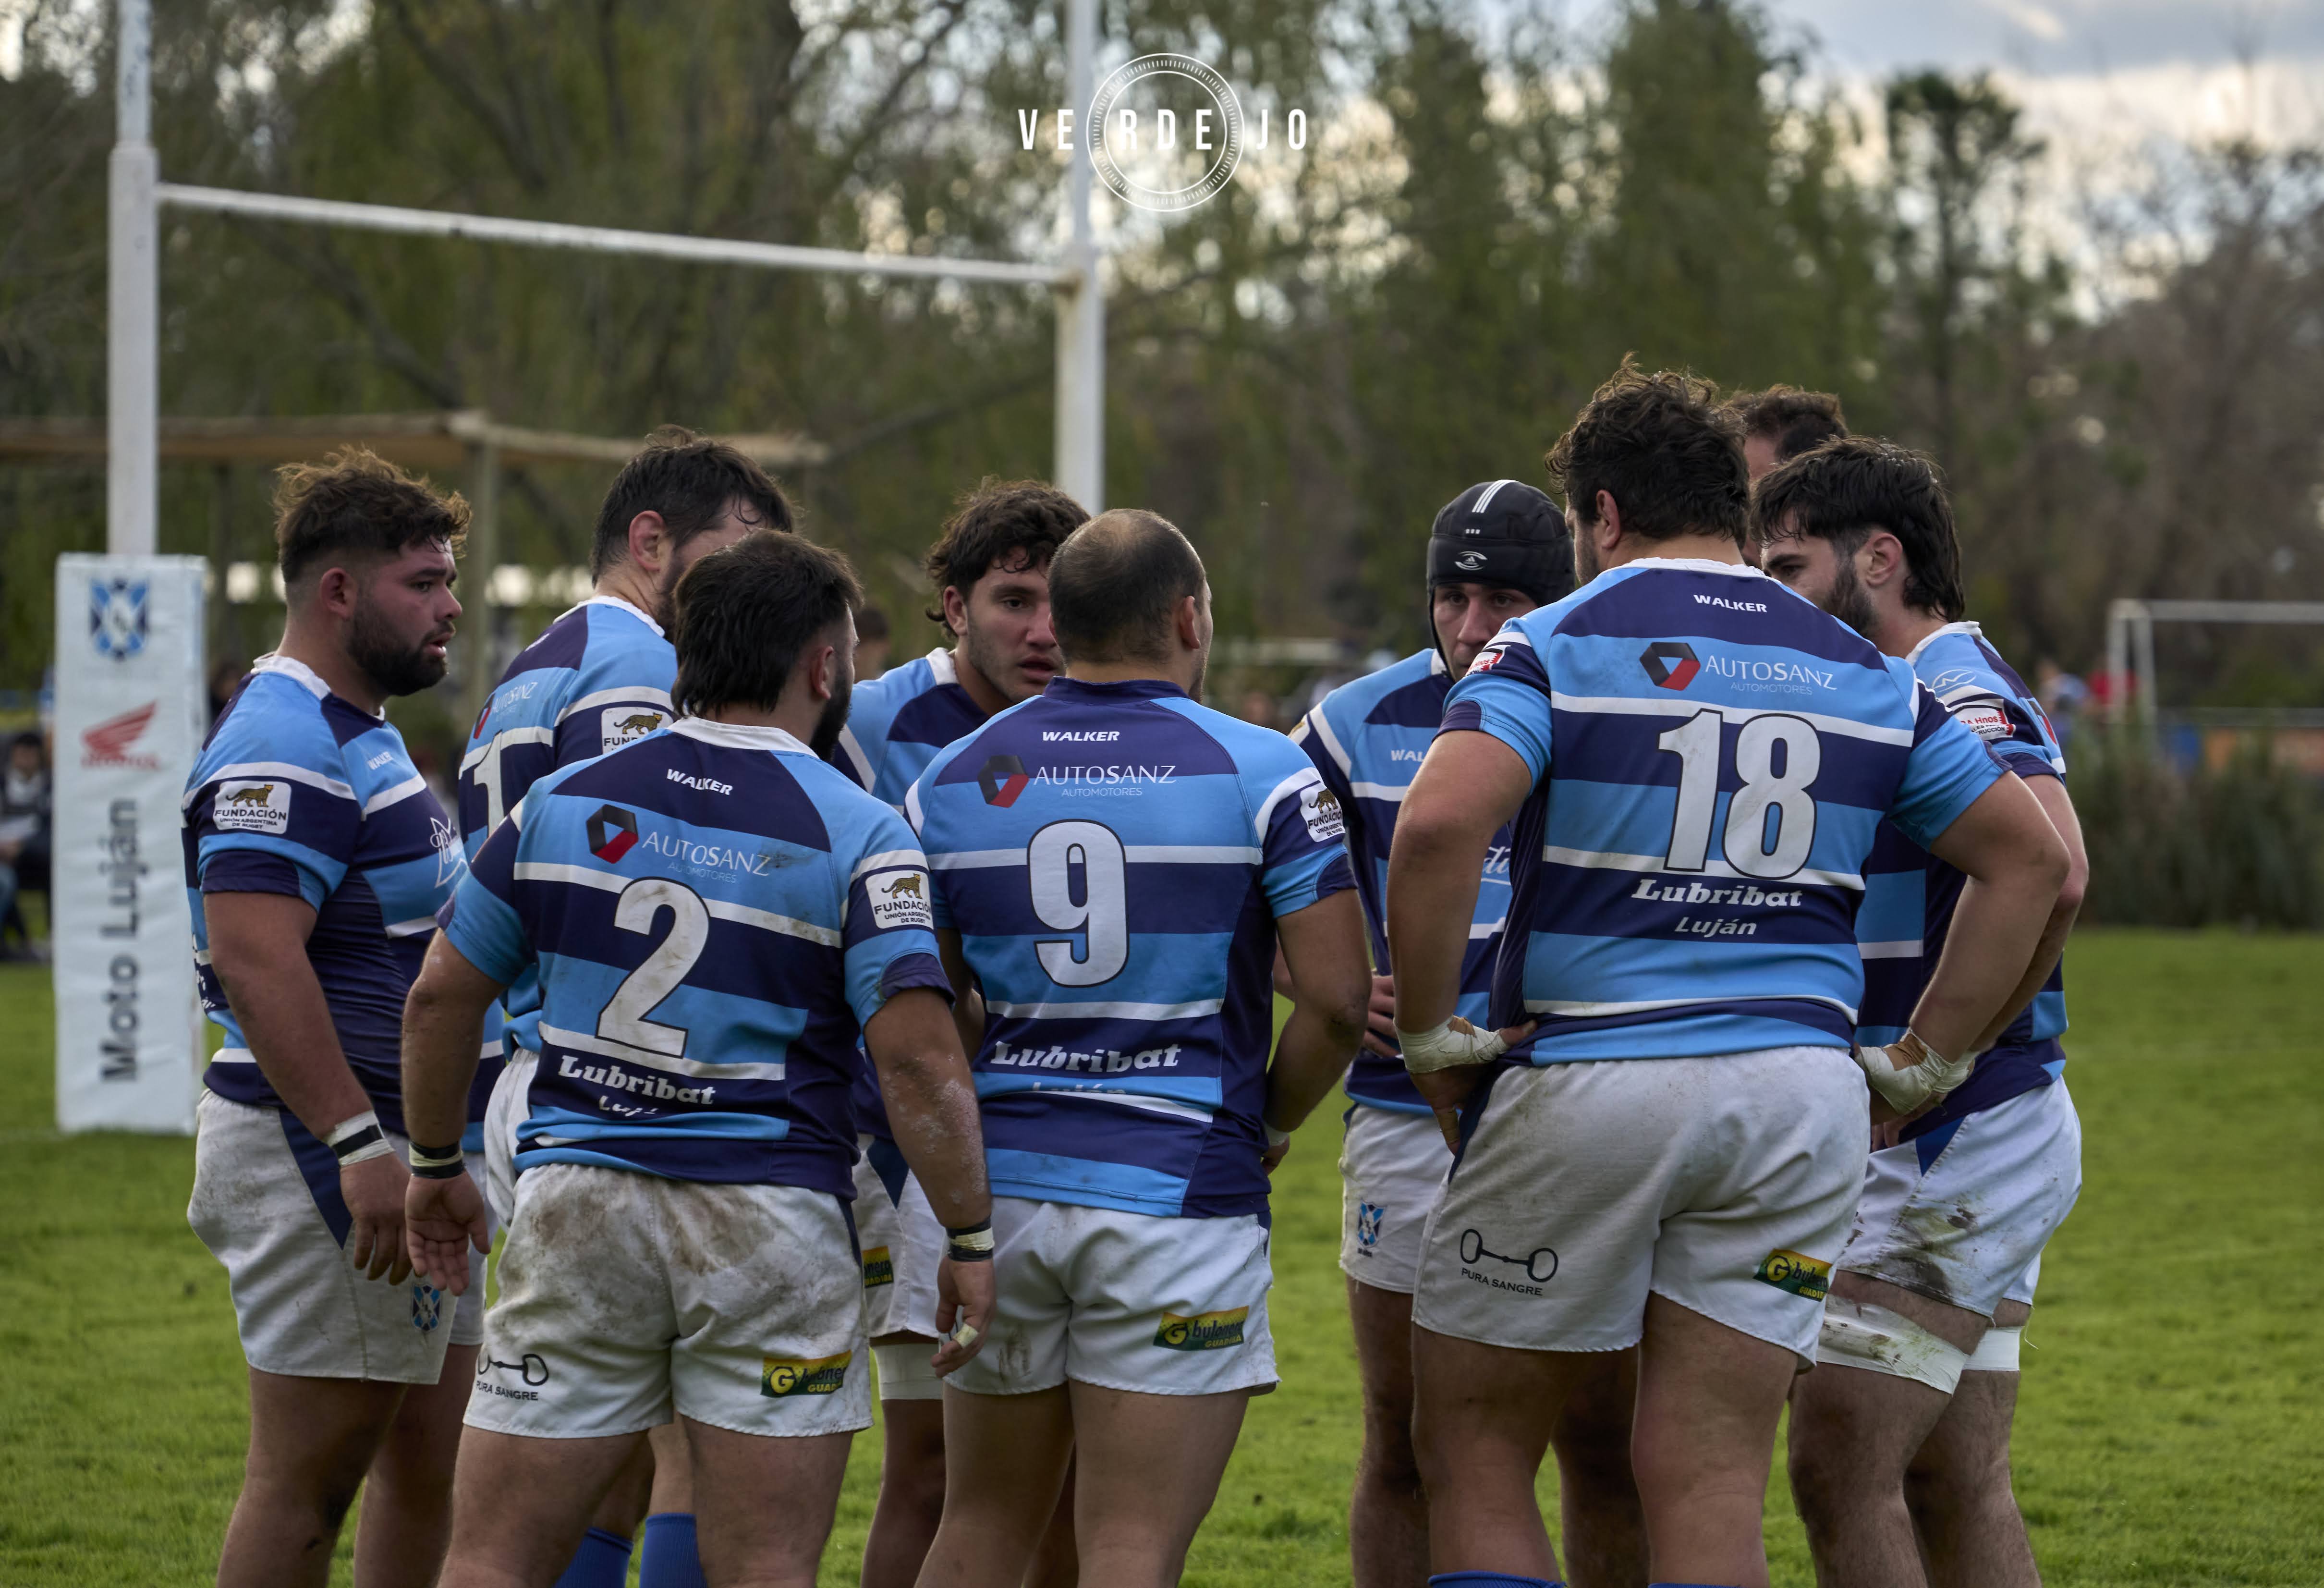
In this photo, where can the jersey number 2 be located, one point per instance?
(1695, 742)
(643, 989)
(1103, 913)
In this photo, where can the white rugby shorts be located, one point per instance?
(266, 1203)
(1124, 1301)
(1392, 1170)
(503, 1114)
(1724, 1184)
(625, 1296)
(902, 1244)
(1960, 1215)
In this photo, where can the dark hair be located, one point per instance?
(689, 480)
(355, 503)
(871, 624)
(1794, 419)
(993, 524)
(1670, 458)
(741, 616)
(1843, 490)
(1115, 583)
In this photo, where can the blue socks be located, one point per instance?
(1489, 1580)
(667, 1559)
(602, 1561)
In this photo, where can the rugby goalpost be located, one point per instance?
(2130, 653)
(130, 694)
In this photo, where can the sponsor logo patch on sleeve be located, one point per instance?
(780, 1377)
(1796, 1272)
(1319, 807)
(244, 807)
(1983, 718)
(899, 898)
(622, 724)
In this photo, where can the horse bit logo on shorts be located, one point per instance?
(821, 1375)
(1202, 1331)
(1540, 1264)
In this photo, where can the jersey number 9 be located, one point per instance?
(1103, 913)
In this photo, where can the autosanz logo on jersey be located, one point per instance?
(108, 743)
(612, 832)
(1002, 778)
(1670, 664)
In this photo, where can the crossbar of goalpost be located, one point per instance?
(133, 278)
(2130, 641)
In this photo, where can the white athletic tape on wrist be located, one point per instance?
(1863, 1334)
(1455, 1042)
(348, 1126)
(379, 1149)
(1275, 1137)
(1926, 1075)
(905, 1373)
(1997, 1352)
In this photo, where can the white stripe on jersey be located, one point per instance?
(1909, 948)
(1134, 854)
(1585, 1010)
(1615, 861)
(1291, 787)
(1331, 741)
(632, 694)
(1107, 1011)
(541, 871)
(402, 791)
(1633, 706)
(270, 769)
(504, 738)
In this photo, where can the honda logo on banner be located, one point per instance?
(131, 713)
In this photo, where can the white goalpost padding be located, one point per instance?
(137, 1071)
(2130, 643)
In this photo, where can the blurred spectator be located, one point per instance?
(224, 679)
(1258, 708)
(2062, 695)
(871, 643)
(23, 838)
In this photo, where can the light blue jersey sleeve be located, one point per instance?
(889, 933)
(1947, 768)
(1506, 693)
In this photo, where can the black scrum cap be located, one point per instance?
(1502, 532)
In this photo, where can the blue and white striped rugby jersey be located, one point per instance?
(300, 792)
(1114, 857)
(1712, 756)
(896, 723)
(714, 913)
(1368, 739)
(597, 679)
(1909, 894)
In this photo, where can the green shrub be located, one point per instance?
(2242, 846)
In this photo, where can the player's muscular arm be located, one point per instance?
(1330, 972)
(443, 1027)
(2050, 793)
(932, 1108)
(279, 1003)
(2016, 865)
(1470, 785)
(967, 998)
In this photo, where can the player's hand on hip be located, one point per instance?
(1380, 1021)
(372, 1190)
(1447, 1064)
(964, 1311)
(442, 1219)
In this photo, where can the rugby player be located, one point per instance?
(716, 917)
(1496, 551)
(597, 679)
(1784, 421)
(1669, 1149)
(317, 859)
(991, 572)
(1115, 866)
(1902, 1458)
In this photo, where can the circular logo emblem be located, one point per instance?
(1148, 126)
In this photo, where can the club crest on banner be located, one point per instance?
(117, 621)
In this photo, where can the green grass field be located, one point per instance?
(2171, 1433)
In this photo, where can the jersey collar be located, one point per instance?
(618, 605)
(941, 667)
(307, 679)
(1699, 565)
(1964, 627)
(739, 735)
(1125, 689)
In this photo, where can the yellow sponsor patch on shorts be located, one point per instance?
(1796, 1272)
(779, 1377)
(878, 1268)
(1202, 1331)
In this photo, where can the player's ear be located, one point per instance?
(1880, 560)
(649, 541)
(955, 608)
(1607, 530)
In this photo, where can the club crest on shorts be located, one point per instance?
(878, 1268)
(1202, 1331)
(1367, 1225)
(780, 1377)
(1796, 1272)
(427, 1308)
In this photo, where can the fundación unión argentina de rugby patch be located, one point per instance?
(823, 1375)
(1796, 1272)
(1202, 1331)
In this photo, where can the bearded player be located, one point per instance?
(991, 572)
(1496, 551)
(1900, 1443)
(317, 860)
(598, 679)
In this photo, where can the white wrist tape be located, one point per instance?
(1275, 1137)
(1997, 1352)
(1455, 1042)
(1861, 1335)
(1909, 1072)
(358, 1138)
